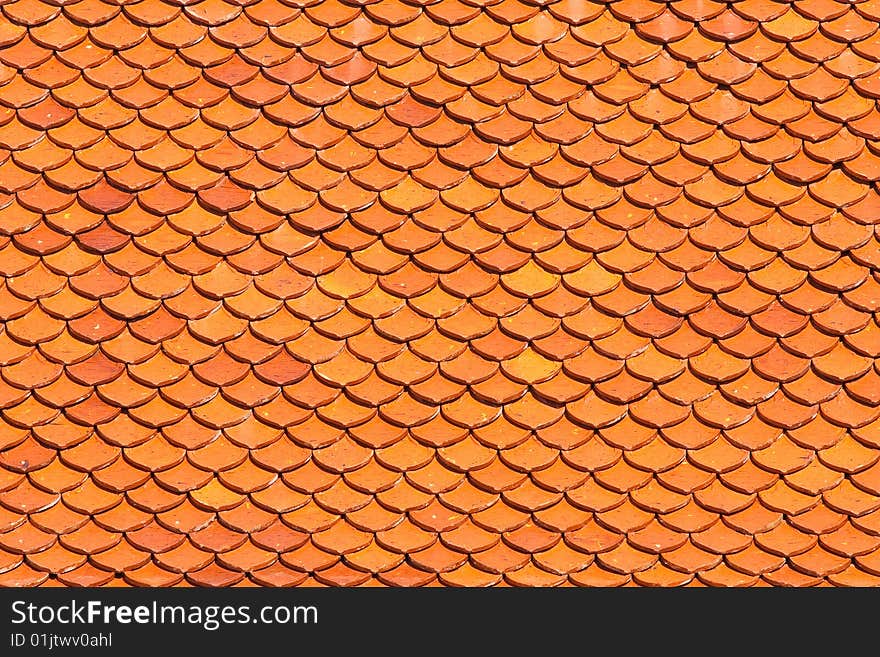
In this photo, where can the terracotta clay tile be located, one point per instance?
(684, 306)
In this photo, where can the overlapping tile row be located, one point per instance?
(439, 293)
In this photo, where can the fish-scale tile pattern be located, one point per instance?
(439, 292)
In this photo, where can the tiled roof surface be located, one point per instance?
(439, 292)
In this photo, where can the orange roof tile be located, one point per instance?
(415, 293)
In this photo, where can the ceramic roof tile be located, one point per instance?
(461, 276)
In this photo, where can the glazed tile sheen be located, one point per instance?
(439, 292)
